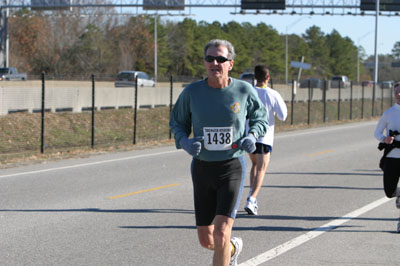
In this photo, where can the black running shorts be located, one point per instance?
(217, 188)
(391, 175)
(262, 148)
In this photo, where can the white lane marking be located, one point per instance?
(279, 250)
(323, 129)
(88, 164)
(284, 135)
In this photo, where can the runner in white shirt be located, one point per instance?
(387, 132)
(260, 158)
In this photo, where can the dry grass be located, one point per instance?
(68, 135)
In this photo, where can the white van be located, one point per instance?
(344, 82)
(128, 78)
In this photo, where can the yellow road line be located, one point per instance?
(319, 153)
(142, 191)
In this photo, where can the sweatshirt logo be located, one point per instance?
(235, 107)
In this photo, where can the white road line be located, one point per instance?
(279, 250)
(88, 164)
(284, 135)
(322, 129)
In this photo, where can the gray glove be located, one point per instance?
(191, 146)
(248, 143)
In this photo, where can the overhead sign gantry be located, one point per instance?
(384, 5)
(263, 4)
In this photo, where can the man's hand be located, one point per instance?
(248, 143)
(192, 146)
(388, 140)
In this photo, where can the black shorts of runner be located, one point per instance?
(217, 188)
(391, 175)
(262, 148)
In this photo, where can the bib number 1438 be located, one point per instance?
(218, 138)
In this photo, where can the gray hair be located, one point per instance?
(218, 43)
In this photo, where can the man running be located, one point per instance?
(389, 123)
(217, 108)
(260, 158)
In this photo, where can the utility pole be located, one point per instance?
(358, 55)
(376, 58)
(3, 34)
(155, 49)
(287, 49)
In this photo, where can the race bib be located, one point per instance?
(218, 138)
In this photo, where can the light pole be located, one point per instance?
(358, 55)
(375, 58)
(155, 49)
(286, 46)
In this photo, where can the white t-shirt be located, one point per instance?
(390, 120)
(275, 105)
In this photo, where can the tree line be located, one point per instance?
(62, 44)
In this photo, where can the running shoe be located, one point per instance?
(251, 207)
(238, 243)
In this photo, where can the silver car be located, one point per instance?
(128, 79)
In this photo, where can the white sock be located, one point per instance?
(250, 191)
(252, 199)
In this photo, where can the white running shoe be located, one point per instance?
(251, 207)
(238, 243)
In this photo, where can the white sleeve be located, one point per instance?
(380, 127)
(280, 107)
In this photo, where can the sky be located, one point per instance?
(361, 29)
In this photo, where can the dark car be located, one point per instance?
(249, 77)
(367, 83)
(314, 83)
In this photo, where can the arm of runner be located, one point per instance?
(380, 128)
(280, 108)
(257, 114)
(180, 120)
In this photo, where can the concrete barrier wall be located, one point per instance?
(76, 96)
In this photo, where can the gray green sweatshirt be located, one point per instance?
(220, 116)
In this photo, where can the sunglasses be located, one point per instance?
(220, 59)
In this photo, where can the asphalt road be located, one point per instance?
(322, 203)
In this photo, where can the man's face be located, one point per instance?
(397, 94)
(215, 69)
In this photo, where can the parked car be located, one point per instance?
(367, 83)
(342, 80)
(249, 77)
(387, 84)
(314, 83)
(128, 79)
(11, 73)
